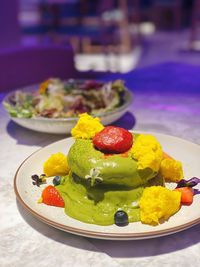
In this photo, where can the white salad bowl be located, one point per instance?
(64, 125)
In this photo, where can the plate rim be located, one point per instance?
(97, 234)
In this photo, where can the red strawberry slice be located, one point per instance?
(113, 140)
(187, 195)
(50, 196)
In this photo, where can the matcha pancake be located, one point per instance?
(119, 169)
(98, 204)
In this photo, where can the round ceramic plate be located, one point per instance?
(187, 152)
(64, 125)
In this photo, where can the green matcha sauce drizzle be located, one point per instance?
(98, 204)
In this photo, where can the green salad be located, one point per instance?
(55, 98)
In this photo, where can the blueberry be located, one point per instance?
(121, 218)
(56, 180)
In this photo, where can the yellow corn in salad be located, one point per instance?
(43, 87)
(171, 170)
(148, 152)
(56, 164)
(86, 127)
(157, 204)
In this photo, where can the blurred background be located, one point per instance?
(106, 35)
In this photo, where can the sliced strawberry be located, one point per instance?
(113, 140)
(50, 196)
(187, 194)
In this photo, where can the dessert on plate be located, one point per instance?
(112, 175)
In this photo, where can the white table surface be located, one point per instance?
(25, 241)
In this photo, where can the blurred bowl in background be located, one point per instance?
(64, 125)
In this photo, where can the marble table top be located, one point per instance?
(25, 241)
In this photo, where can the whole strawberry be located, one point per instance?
(51, 196)
(113, 140)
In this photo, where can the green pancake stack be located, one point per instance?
(98, 185)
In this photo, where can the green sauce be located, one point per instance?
(98, 205)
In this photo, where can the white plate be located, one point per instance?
(187, 152)
(64, 125)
